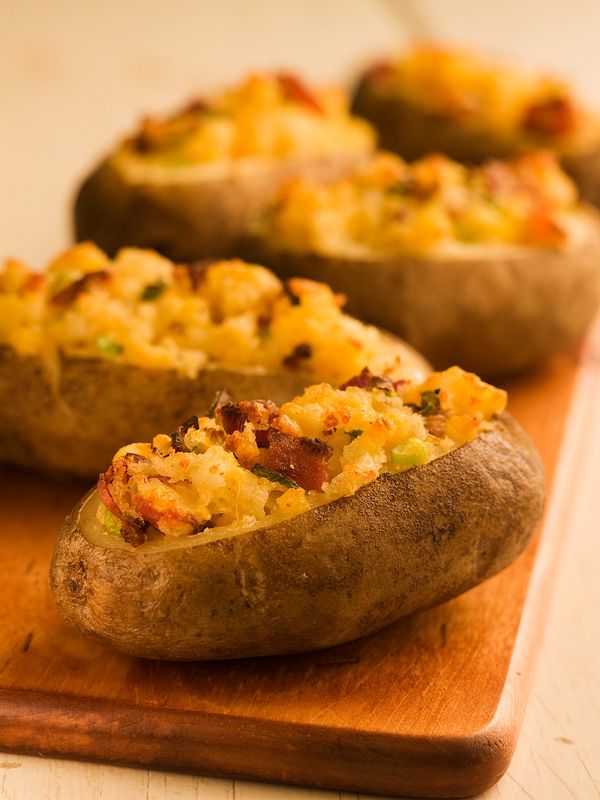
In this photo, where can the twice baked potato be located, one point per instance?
(95, 353)
(493, 267)
(269, 530)
(453, 101)
(185, 185)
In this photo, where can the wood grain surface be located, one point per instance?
(431, 706)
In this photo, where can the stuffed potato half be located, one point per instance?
(347, 536)
(454, 101)
(100, 352)
(493, 267)
(185, 185)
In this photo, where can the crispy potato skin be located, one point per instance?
(76, 427)
(186, 219)
(341, 571)
(494, 315)
(411, 132)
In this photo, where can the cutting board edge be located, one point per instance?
(476, 762)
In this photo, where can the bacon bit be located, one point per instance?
(262, 438)
(299, 353)
(302, 459)
(67, 296)
(368, 381)
(132, 528)
(150, 137)
(232, 417)
(197, 272)
(104, 480)
(543, 230)
(295, 90)
(35, 281)
(178, 435)
(154, 516)
(133, 534)
(381, 69)
(235, 415)
(197, 105)
(556, 116)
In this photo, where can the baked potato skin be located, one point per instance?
(75, 427)
(343, 570)
(406, 129)
(493, 315)
(186, 219)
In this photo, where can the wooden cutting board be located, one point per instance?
(429, 707)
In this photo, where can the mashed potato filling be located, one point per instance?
(460, 84)
(251, 462)
(389, 207)
(143, 310)
(266, 116)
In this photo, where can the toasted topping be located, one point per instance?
(463, 85)
(389, 207)
(266, 116)
(142, 309)
(256, 462)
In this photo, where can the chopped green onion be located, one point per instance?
(152, 291)
(111, 523)
(430, 403)
(197, 450)
(108, 346)
(409, 453)
(274, 477)
(353, 434)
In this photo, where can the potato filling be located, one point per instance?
(462, 85)
(143, 310)
(389, 207)
(252, 461)
(266, 116)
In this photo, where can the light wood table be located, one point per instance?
(73, 76)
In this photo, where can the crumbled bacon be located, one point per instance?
(150, 137)
(556, 116)
(197, 105)
(381, 69)
(366, 380)
(235, 415)
(178, 435)
(197, 271)
(298, 92)
(302, 459)
(67, 296)
(232, 417)
(133, 528)
(299, 354)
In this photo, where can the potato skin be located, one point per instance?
(76, 427)
(408, 130)
(494, 315)
(186, 219)
(346, 569)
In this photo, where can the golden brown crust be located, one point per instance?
(343, 570)
(183, 219)
(495, 314)
(412, 132)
